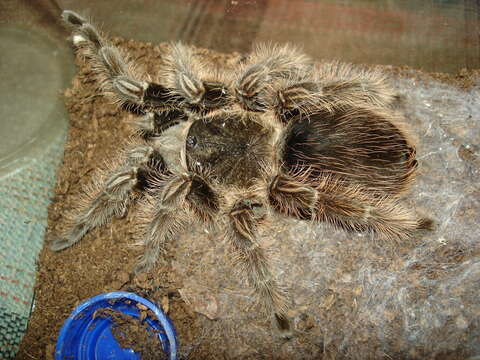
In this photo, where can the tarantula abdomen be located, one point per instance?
(359, 145)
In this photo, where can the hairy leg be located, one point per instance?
(110, 195)
(169, 209)
(333, 83)
(115, 72)
(350, 83)
(253, 262)
(264, 67)
(182, 72)
(347, 207)
(200, 84)
(353, 209)
(291, 197)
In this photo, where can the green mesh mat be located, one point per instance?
(24, 198)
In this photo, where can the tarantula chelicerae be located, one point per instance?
(279, 134)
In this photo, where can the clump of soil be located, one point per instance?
(104, 260)
(132, 333)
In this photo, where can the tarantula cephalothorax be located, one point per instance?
(277, 134)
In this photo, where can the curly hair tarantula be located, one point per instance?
(279, 134)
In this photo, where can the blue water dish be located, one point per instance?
(85, 336)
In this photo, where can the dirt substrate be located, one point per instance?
(133, 332)
(104, 260)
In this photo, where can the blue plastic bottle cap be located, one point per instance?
(87, 337)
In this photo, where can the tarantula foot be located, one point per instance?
(426, 224)
(72, 18)
(283, 326)
(145, 264)
(60, 243)
(140, 268)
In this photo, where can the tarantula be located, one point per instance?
(279, 134)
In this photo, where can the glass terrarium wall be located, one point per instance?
(433, 35)
(35, 66)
